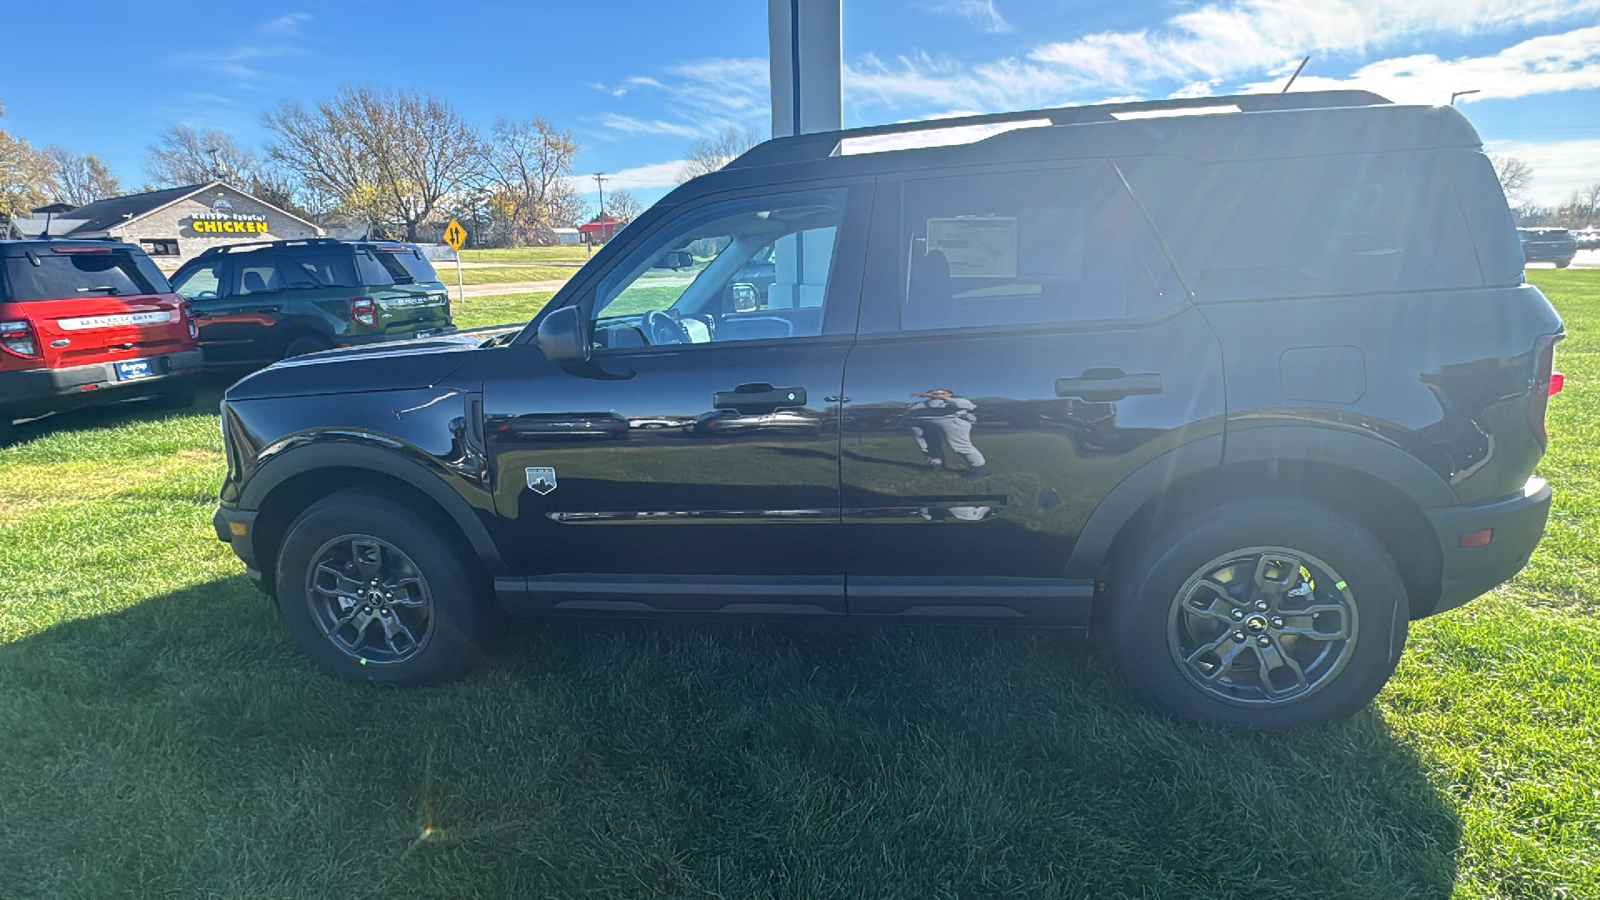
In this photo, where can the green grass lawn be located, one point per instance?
(161, 737)
(564, 253)
(500, 309)
(498, 274)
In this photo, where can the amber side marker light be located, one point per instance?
(237, 529)
(1482, 538)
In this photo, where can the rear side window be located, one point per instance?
(45, 275)
(323, 269)
(404, 266)
(1038, 246)
(1357, 223)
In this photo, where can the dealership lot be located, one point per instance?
(164, 738)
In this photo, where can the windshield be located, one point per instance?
(54, 276)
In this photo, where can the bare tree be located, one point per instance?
(622, 205)
(394, 156)
(183, 155)
(530, 163)
(710, 154)
(1515, 175)
(1583, 207)
(81, 178)
(27, 176)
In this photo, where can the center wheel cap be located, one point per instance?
(1256, 624)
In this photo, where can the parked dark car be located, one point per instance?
(258, 303)
(1094, 375)
(88, 322)
(1553, 245)
(1588, 239)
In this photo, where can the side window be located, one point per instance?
(201, 282)
(732, 271)
(1027, 247)
(323, 269)
(256, 273)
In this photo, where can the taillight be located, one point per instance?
(364, 310)
(187, 311)
(17, 338)
(1546, 382)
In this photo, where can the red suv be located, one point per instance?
(85, 322)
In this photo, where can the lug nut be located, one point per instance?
(1238, 635)
(1238, 614)
(1261, 604)
(1277, 621)
(1264, 640)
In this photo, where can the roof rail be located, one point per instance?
(823, 144)
(250, 245)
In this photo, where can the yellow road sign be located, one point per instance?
(455, 235)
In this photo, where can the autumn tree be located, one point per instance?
(27, 176)
(620, 204)
(529, 164)
(709, 154)
(1515, 176)
(1582, 209)
(183, 155)
(81, 177)
(394, 157)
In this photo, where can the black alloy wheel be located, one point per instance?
(369, 591)
(1262, 614)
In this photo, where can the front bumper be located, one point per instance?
(1516, 524)
(236, 528)
(38, 391)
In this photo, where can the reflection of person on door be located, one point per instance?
(940, 418)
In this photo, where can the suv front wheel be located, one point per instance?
(370, 592)
(1262, 614)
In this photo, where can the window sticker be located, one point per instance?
(976, 246)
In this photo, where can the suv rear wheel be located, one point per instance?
(370, 592)
(1263, 614)
(306, 343)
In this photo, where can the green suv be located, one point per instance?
(259, 303)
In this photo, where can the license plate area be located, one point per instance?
(133, 369)
(427, 332)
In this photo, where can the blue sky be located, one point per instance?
(636, 82)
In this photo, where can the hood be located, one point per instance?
(395, 366)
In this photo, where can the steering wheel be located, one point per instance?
(660, 328)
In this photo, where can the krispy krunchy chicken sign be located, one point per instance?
(222, 220)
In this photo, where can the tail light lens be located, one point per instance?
(17, 337)
(364, 310)
(187, 312)
(1545, 383)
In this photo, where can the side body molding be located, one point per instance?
(387, 457)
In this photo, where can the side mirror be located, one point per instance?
(561, 338)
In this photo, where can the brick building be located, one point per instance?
(177, 224)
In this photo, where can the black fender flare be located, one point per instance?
(1323, 445)
(385, 457)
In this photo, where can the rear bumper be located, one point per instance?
(1516, 523)
(38, 391)
(356, 340)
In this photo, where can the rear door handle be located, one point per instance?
(758, 397)
(1104, 385)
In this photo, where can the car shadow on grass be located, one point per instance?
(209, 388)
(183, 747)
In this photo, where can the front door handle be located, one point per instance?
(1105, 385)
(758, 397)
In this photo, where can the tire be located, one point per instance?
(1563, 263)
(1216, 622)
(370, 592)
(306, 343)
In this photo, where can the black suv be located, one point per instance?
(1241, 392)
(261, 302)
(1552, 245)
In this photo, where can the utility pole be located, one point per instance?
(1456, 94)
(600, 183)
(216, 167)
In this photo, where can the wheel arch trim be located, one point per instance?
(386, 459)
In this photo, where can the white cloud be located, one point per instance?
(703, 97)
(637, 178)
(630, 126)
(284, 25)
(1541, 65)
(1559, 167)
(981, 13)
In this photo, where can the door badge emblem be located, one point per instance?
(541, 480)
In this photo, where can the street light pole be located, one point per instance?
(1453, 96)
